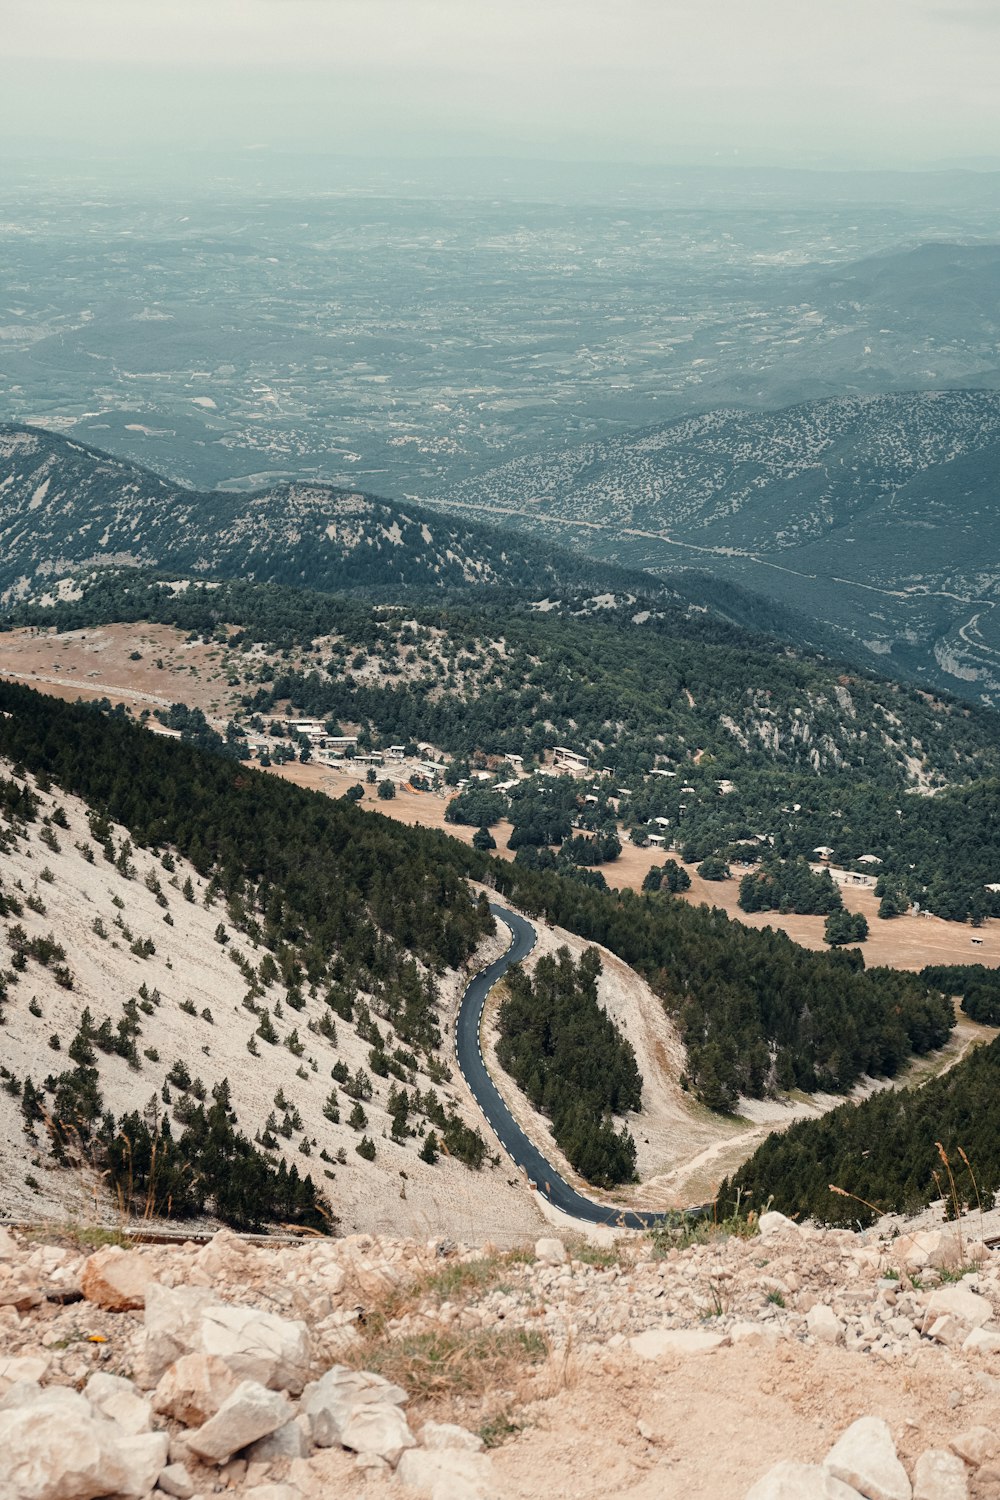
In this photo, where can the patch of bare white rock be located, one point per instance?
(180, 1371)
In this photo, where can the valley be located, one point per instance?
(99, 664)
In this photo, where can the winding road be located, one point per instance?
(468, 1049)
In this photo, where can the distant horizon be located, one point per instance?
(902, 85)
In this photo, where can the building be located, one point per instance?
(517, 761)
(569, 759)
(656, 839)
(396, 752)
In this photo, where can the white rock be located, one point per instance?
(977, 1445)
(171, 1320)
(251, 1412)
(257, 1345)
(959, 1302)
(118, 1400)
(551, 1252)
(982, 1341)
(656, 1342)
(864, 1457)
(450, 1435)
(447, 1474)
(193, 1388)
(773, 1223)
(379, 1431)
(56, 1448)
(328, 1403)
(8, 1245)
(948, 1331)
(793, 1481)
(824, 1324)
(940, 1476)
(290, 1441)
(33, 1367)
(175, 1480)
(743, 1333)
(116, 1279)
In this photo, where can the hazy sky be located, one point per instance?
(796, 82)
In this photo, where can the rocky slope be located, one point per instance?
(63, 504)
(874, 514)
(188, 996)
(787, 1363)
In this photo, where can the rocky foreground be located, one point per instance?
(796, 1364)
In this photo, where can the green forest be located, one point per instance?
(567, 1055)
(814, 753)
(346, 897)
(883, 1152)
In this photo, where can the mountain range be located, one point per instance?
(874, 515)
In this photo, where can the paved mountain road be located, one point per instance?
(519, 1148)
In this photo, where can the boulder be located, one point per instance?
(551, 1252)
(656, 1342)
(8, 1245)
(175, 1480)
(823, 1323)
(225, 1257)
(948, 1331)
(958, 1301)
(379, 1430)
(864, 1457)
(939, 1475)
(19, 1289)
(979, 1341)
(792, 1481)
(328, 1403)
(118, 1400)
(448, 1473)
(439, 1435)
(116, 1279)
(33, 1367)
(772, 1223)
(927, 1247)
(257, 1345)
(290, 1441)
(251, 1412)
(57, 1448)
(977, 1445)
(193, 1388)
(171, 1321)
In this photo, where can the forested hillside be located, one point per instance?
(330, 933)
(63, 505)
(354, 900)
(571, 1061)
(873, 514)
(883, 1154)
(811, 753)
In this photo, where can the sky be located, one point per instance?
(846, 83)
